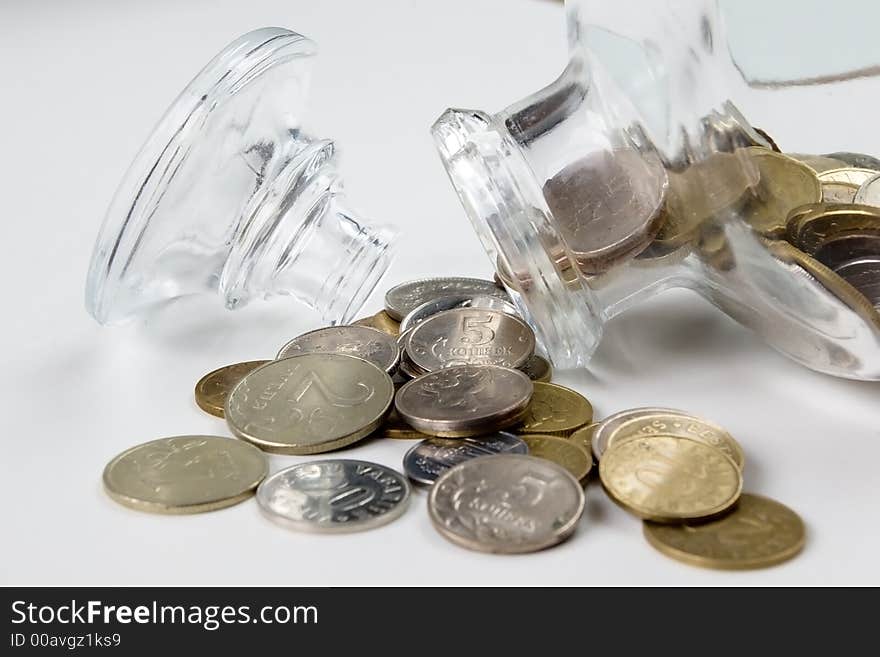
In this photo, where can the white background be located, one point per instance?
(83, 82)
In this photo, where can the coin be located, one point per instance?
(406, 297)
(757, 533)
(364, 342)
(507, 503)
(583, 437)
(804, 265)
(185, 474)
(849, 175)
(470, 337)
(310, 403)
(394, 427)
(465, 400)
(869, 192)
(844, 248)
(811, 230)
(562, 451)
(334, 496)
(784, 184)
(538, 368)
(676, 423)
(440, 304)
(427, 460)
(670, 479)
(381, 321)
(606, 427)
(704, 190)
(864, 275)
(839, 192)
(818, 163)
(607, 206)
(857, 160)
(555, 410)
(213, 388)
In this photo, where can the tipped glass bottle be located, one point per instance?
(634, 172)
(230, 195)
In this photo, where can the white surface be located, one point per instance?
(83, 84)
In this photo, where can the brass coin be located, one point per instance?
(583, 437)
(213, 388)
(555, 410)
(784, 185)
(538, 368)
(811, 230)
(185, 474)
(704, 190)
(682, 426)
(381, 321)
(757, 533)
(309, 404)
(670, 479)
(562, 451)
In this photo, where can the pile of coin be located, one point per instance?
(505, 453)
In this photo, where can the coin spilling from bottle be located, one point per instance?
(505, 453)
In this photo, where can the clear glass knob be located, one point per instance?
(231, 195)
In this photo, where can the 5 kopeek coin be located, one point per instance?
(309, 404)
(185, 474)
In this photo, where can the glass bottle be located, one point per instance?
(635, 172)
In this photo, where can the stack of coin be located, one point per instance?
(682, 475)
(505, 452)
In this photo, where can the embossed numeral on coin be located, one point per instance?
(476, 329)
(312, 378)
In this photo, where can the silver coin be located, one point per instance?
(309, 404)
(470, 337)
(467, 400)
(364, 342)
(430, 308)
(430, 458)
(864, 275)
(406, 297)
(606, 427)
(859, 160)
(607, 206)
(869, 192)
(334, 496)
(507, 503)
(847, 247)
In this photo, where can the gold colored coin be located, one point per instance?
(679, 425)
(381, 321)
(704, 190)
(185, 474)
(784, 185)
(555, 410)
(810, 230)
(670, 479)
(213, 388)
(583, 437)
(757, 533)
(394, 427)
(562, 451)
